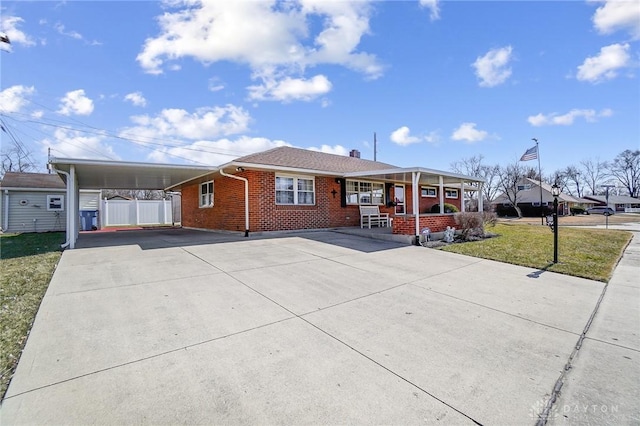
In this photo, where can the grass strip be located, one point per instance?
(27, 262)
(586, 253)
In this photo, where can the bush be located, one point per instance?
(448, 208)
(489, 219)
(471, 224)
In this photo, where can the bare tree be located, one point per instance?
(15, 159)
(573, 180)
(593, 173)
(626, 168)
(510, 176)
(473, 166)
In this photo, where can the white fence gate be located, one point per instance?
(136, 212)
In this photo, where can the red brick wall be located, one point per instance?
(227, 212)
(406, 225)
(264, 215)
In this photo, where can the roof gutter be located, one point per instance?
(246, 199)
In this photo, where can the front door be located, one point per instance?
(398, 193)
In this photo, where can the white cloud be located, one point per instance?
(73, 144)
(277, 40)
(61, 29)
(492, 68)
(567, 119)
(136, 99)
(215, 84)
(290, 89)
(596, 69)
(14, 98)
(9, 25)
(328, 149)
(216, 152)
(434, 6)
(402, 136)
(76, 102)
(617, 15)
(178, 123)
(467, 132)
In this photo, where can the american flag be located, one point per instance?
(531, 154)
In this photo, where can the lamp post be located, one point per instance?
(606, 215)
(555, 191)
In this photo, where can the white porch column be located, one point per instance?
(480, 198)
(441, 191)
(415, 198)
(462, 207)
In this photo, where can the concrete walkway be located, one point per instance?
(602, 385)
(179, 326)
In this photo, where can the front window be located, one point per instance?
(295, 190)
(365, 193)
(428, 191)
(451, 193)
(206, 194)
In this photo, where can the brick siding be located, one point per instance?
(227, 212)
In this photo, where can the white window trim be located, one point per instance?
(200, 194)
(447, 191)
(295, 189)
(382, 203)
(435, 192)
(55, 209)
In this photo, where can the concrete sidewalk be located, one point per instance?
(179, 326)
(603, 384)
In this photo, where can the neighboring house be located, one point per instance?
(528, 199)
(35, 202)
(289, 188)
(620, 203)
(32, 202)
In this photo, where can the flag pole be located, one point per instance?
(540, 178)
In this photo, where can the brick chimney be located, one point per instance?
(354, 153)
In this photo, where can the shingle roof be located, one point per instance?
(32, 180)
(286, 156)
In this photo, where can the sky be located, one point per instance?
(204, 82)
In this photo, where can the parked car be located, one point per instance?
(607, 211)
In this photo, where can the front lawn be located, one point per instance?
(27, 262)
(587, 253)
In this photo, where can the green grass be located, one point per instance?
(27, 262)
(586, 253)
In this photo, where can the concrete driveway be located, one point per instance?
(180, 326)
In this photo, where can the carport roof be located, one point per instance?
(98, 174)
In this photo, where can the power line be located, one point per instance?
(142, 142)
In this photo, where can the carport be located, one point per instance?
(98, 174)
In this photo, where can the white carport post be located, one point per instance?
(462, 209)
(480, 200)
(415, 201)
(72, 211)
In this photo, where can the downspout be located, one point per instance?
(66, 243)
(246, 199)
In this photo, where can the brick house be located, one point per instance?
(289, 188)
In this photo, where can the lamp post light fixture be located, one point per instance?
(555, 191)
